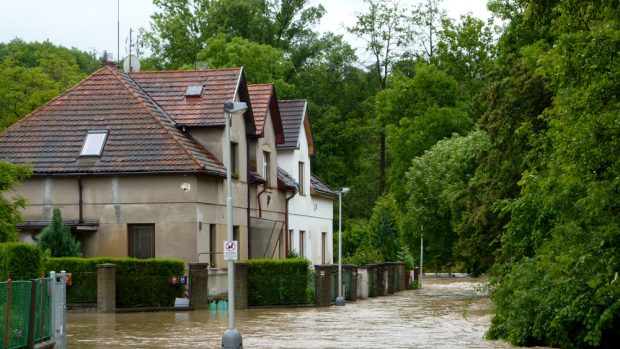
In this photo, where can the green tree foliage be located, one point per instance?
(33, 73)
(384, 228)
(182, 28)
(11, 176)
(57, 238)
(558, 283)
(418, 112)
(435, 183)
(262, 63)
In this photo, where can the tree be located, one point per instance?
(262, 63)
(382, 28)
(428, 18)
(182, 27)
(10, 176)
(57, 238)
(557, 283)
(435, 183)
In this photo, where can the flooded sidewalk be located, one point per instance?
(446, 313)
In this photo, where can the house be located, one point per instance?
(136, 164)
(310, 212)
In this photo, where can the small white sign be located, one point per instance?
(230, 250)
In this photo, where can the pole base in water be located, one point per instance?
(340, 301)
(232, 339)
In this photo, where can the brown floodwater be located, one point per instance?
(446, 313)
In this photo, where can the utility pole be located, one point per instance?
(421, 257)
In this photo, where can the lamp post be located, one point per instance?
(231, 338)
(340, 299)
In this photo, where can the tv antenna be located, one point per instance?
(131, 63)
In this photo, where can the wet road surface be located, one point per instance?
(446, 313)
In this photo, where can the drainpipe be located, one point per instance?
(80, 202)
(247, 180)
(260, 209)
(286, 224)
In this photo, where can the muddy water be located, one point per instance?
(446, 313)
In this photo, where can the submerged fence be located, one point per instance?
(32, 311)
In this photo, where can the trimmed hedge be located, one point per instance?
(279, 281)
(139, 282)
(20, 261)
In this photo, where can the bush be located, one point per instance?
(278, 282)
(20, 261)
(57, 238)
(139, 282)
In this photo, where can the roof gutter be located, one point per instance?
(116, 173)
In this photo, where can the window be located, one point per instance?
(266, 166)
(212, 244)
(291, 234)
(235, 233)
(234, 158)
(141, 240)
(324, 248)
(302, 244)
(194, 91)
(302, 189)
(93, 143)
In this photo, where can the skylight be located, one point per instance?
(93, 144)
(193, 91)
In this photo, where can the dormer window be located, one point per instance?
(93, 144)
(194, 91)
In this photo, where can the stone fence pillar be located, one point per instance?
(323, 285)
(351, 271)
(199, 285)
(400, 272)
(106, 288)
(362, 282)
(241, 285)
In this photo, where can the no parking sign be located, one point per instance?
(230, 250)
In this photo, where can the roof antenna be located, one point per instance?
(118, 32)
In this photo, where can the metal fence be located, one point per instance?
(32, 311)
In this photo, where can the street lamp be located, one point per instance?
(340, 299)
(231, 338)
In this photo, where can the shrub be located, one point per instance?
(139, 282)
(57, 238)
(278, 282)
(20, 261)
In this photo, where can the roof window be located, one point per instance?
(93, 144)
(194, 91)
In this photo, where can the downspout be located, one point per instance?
(80, 202)
(260, 209)
(286, 224)
(247, 173)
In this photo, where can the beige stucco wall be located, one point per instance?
(181, 217)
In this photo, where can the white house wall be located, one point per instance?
(312, 215)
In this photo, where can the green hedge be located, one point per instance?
(139, 282)
(279, 282)
(20, 261)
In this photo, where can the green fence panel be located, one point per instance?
(43, 301)
(14, 313)
(83, 288)
(334, 289)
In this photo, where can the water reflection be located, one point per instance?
(447, 313)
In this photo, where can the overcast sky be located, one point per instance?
(92, 24)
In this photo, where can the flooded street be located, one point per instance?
(446, 313)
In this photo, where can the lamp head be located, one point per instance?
(345, 190)
(235, 107)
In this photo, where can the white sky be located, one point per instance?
(92, 24)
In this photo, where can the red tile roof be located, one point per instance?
(142, 137)
(264, 99)
(168, 88)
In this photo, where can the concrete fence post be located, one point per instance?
(241, 285)
(106, 288)
(199, 285)
(322, 285)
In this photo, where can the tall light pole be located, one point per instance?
(231, 338)
(340, 299)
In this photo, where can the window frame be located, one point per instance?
(302, 177)
(131, 252)
(266, 166)
(100, 143)
(302, 243)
